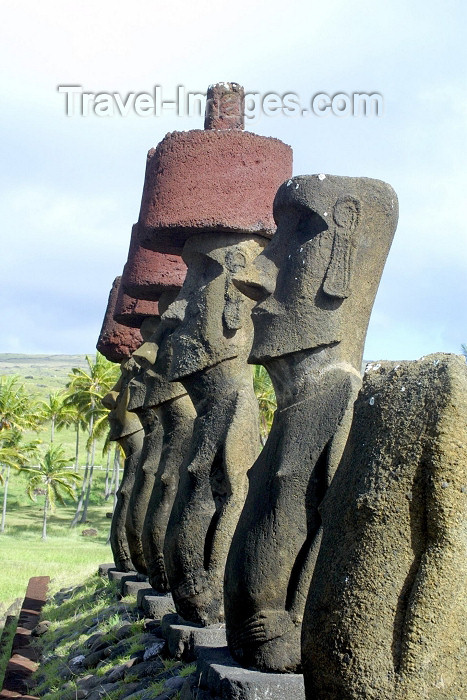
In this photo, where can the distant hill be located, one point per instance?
(41, 373)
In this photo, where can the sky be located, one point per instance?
(71, 185)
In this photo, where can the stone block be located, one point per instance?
(156, 606)
(104, 569)
(386, 615)
(143, 593)
(121, 577)
(134, 587)
(184, 639)
(219, 677)
(225, 106)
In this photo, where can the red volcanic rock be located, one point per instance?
(147, 273)
(225, 106)
(130, 311)
(210, 181)
(116, 341)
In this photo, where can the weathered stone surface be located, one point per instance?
(315, 284)
(167, 415)
(134, 587)
(147, 273)
(121, 576)
(210, 342)
(116, 341)
(210, 181)
(184, 640)
(103, 569)
(130, 311)
(142, 488)
(142, 593)
(156, 606)
(386, 616)
(225, 106)
(126, 428)
(176, 417)
(219, 677)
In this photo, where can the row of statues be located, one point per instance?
(337, 548)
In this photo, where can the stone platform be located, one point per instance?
(184, 639)
(219, 677)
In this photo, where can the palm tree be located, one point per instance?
(18, 412)
(13, 455)
(266, 400)
(86, 389)
(54, 478)
(17, 408)
(57, 411)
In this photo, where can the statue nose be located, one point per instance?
(175, 313)
(258, 280)
(110, 400)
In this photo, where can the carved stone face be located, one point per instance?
(122, 421)
(210, 317)
(315, 282)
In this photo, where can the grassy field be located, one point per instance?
(66, 555)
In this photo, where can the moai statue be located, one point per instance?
(210, 345)
(146, 274)
(152, 393)
(386, 616)
(208, 194)
(117, 342)
(314, 285)
(125, 427)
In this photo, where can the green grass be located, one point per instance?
(66, 556)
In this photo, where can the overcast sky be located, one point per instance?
(71, 185)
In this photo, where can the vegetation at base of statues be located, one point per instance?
(6, 644)
(87, 618)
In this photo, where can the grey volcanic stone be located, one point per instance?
(142, 593)
(134, 587)
(121, 577)
(219, 676)
(314, 285)
(156, 606)
(184, 639)
(104, 569)
(210, 345)
(386, 617)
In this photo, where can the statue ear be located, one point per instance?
(346, 214)
(235, 261)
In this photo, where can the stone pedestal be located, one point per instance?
(121, 577)
(185, 640)
(156, 606)
(104, 569)
(219, 677)
(133, 588)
